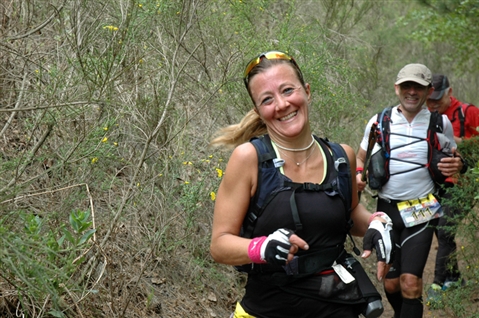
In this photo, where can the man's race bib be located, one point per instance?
(417, 211)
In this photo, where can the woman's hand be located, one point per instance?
(380, 237)
(296, 244)
(277, 248)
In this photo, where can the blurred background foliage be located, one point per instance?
(107, 109)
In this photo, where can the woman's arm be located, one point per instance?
(232, 202)
(359, 214)
(362, 219)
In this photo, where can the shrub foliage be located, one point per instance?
(106, 111)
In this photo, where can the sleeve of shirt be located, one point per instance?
(365, 140)
(448, 131)
(472, 118)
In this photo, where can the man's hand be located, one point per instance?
(451, 165)
(361, 184)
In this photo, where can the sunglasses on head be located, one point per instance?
(271, 55)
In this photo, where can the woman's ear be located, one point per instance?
(307, 88)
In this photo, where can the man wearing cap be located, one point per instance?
(442, 101)
(465, 121)
(409, 179)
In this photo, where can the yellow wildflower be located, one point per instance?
(110, 27)
(104, 139)
(105, 128)
(219, 172)
(94, 160)
(187, 182)
(213, 196)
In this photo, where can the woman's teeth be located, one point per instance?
(288, 116)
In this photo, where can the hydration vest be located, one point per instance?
(461, 115)
(378, 169)
(271, 181)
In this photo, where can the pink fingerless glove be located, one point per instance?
(254, 250)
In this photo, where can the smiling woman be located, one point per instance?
(296, 226)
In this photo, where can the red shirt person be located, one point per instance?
(465, 121)
(441, 100)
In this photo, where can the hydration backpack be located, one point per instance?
(379, 163)
(271, 181)
(461, 114)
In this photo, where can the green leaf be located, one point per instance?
(56, 313)
(69, 236)
(85, 237)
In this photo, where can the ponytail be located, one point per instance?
(234, 135)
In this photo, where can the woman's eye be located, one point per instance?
(288, 91)
(267, 101)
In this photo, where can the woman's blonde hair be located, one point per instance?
(234, 135)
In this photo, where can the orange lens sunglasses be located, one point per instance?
(271, 55)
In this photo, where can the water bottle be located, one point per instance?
(374, 307)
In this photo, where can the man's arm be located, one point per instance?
(360, 158)
(472, 120)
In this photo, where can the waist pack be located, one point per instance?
(330, 287)
(372, 306)
(438, 148)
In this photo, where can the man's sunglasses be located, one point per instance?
(271, 55)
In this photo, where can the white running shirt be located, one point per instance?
(410, 184)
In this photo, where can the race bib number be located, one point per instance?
(417, 211)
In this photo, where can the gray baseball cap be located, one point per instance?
(441, 84)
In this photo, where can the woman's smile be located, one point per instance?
(291, 115)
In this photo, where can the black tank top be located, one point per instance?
(324, 225)
(323, 217)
